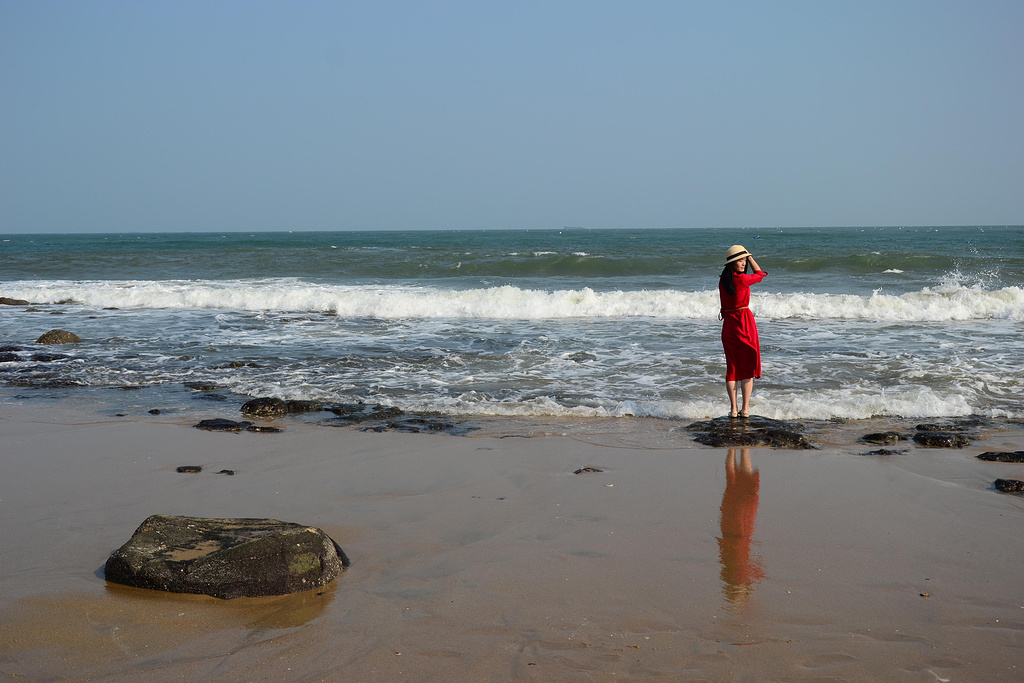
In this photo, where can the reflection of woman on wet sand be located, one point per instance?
(739, 510)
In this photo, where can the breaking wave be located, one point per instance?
(948, 302)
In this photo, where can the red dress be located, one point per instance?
(739, 331)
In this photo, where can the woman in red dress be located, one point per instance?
(739, 331)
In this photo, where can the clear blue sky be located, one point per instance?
(180, 115)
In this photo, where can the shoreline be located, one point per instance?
(485, 557)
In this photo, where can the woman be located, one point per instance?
(739, 331)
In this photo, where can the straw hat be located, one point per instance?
(735, 253)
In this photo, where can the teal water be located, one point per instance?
(916, 322)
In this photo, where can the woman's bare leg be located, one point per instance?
(747, 388)
(730, 389)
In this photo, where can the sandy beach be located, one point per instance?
(485, 558)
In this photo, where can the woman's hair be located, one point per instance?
(725, 280)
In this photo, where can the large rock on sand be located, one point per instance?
(723, 432)
(226, 558)
(58, 337)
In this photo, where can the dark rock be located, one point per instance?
(783, 438)
(154, 411)
(422, 425)
(8, 348)
(885, 451)
(7, 301)
(383, 419)
(201, 386)
(241, 364)
(230, 473)
(942, 427)
(49, 357)
(354, 413)
(222, 425)
(581, 356)
(303, 406)
(189, 469)
(1002, 456)
(9, 358)
(265, 407)
(588, 470)
(1009, 485)
(941, 440)
(884, 437)
(724, 432)
(226, 558)
(58, 337)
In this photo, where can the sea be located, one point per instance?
(855, 323)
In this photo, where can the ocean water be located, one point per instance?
(855, 323)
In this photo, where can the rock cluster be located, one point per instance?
(226, 558)
(724, 432)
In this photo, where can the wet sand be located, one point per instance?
(486, 558)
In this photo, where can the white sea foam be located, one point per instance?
(946, 303)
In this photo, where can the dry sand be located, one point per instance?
(486, 558)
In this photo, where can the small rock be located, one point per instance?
(265, 407)
(303, 406)
(9, 358)
(1009, 485)
(941, 440)
(226, 558)
(58, 337)
(263, 429)
(154, 411)
(189, 469)
(222, 425)
(885, 451)
(883, 437)
(201, 386)
(588, 470)
(230, 473)
(6, 301)
(1002, 456)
